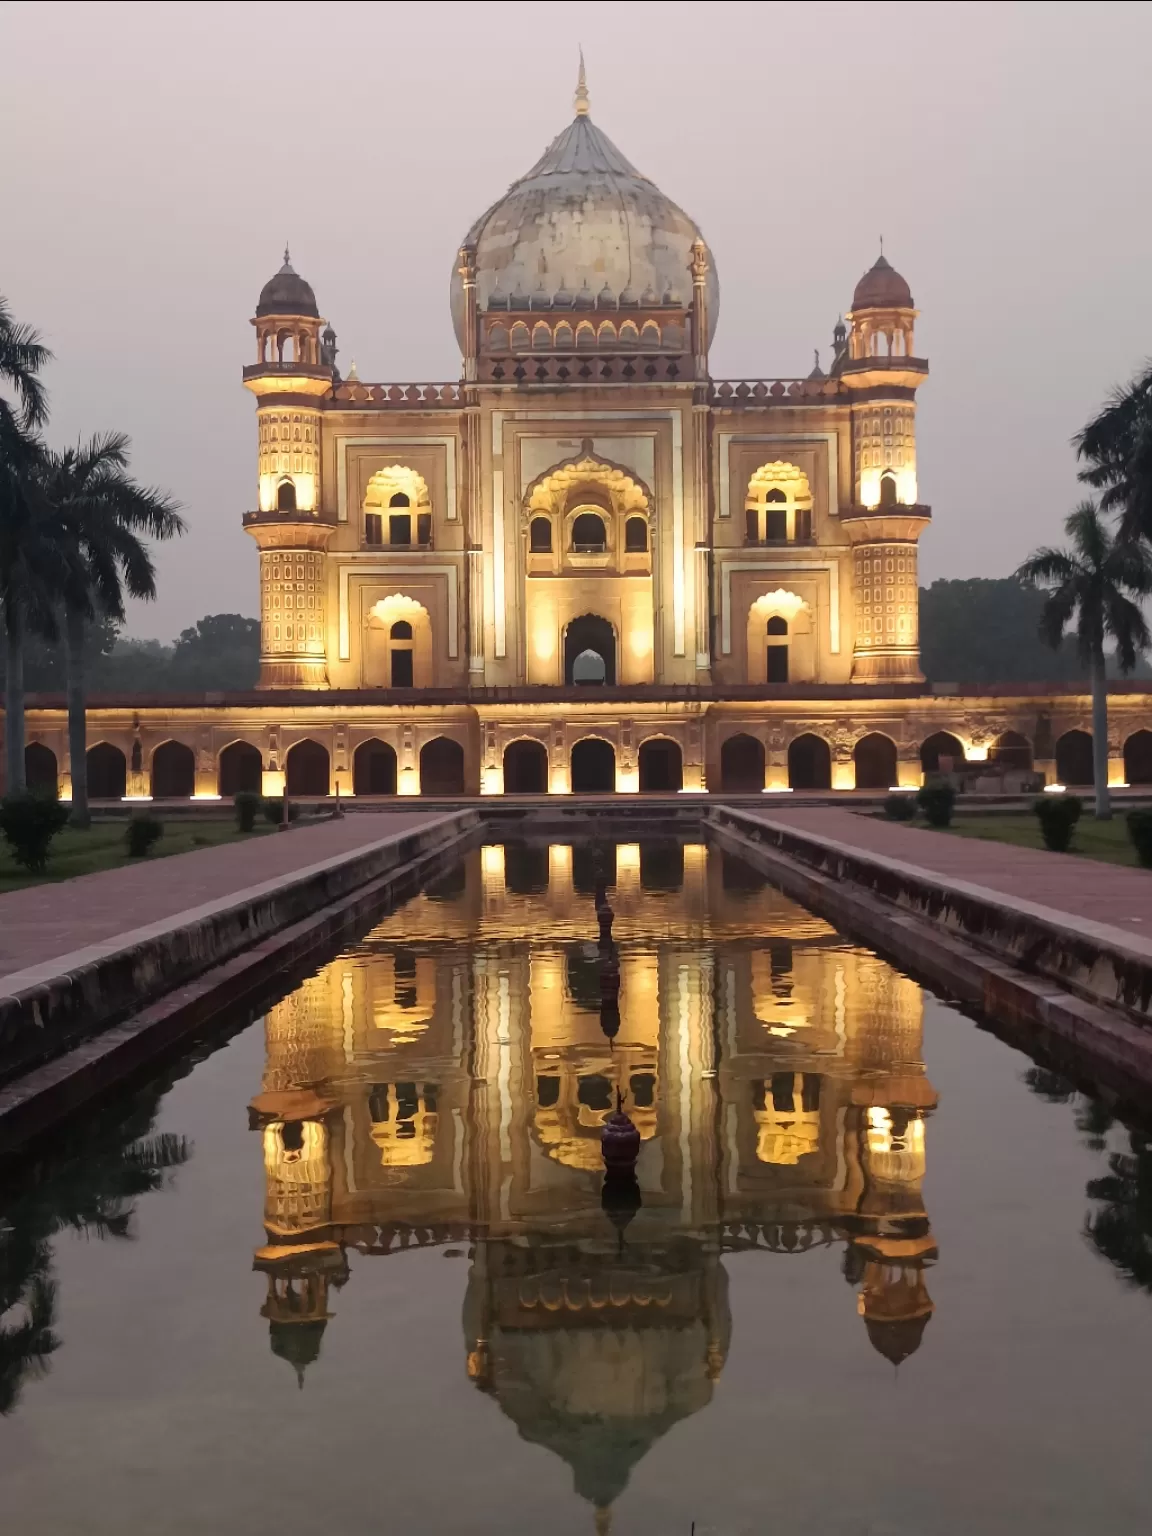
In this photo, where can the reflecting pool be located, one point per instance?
(359, 1266)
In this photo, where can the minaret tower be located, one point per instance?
(886, 518)
(293, 370)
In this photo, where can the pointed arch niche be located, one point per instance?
(778, 506)
(781, 621)
(397, 511)
(398, 644)
(599, 558)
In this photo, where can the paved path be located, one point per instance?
(1081, 888)
(46, 921)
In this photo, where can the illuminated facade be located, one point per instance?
(586, 564)
(445, 1084)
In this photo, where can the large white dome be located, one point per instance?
(584, 224)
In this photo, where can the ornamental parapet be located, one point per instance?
(867, 525)
(760, 391)
(399, 396)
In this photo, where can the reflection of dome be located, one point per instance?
(287, 294)
(583, 227)
(597, 1383)
(882, 287)
(298, 1343)
(896, 1338)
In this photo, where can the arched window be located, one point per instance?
(887, 490)
(636, 536)
(286, 496)
(540, 536)
(589, 651)
(777, 649)
(399, 521)
(775, 516)
(400, 649)
(589, 535)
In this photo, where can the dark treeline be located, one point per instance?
(220, 651)
(988, 631)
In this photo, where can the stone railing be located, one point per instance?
(393, 396)
(590, 367)
(762, 391)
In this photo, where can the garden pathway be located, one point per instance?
(45, 923)
(1078, 887)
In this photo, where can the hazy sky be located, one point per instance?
(157, 157)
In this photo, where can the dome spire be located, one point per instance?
(580, 101)
(287, 267)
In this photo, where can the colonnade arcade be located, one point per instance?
(460, 755)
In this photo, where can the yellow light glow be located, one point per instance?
(906, 487)
(492, 781)
(628, 783)
(558, 780)
(409, 781)
(1054, 789)
(492, 865)
(777, 789)
(843, 775)
(272, 782)
(627, 859)
(204, 795)
(128, 798)
(544, 640)
(976, 754)
(305, 491)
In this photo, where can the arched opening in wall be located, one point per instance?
(540, 536)
(374, 768)
(107, 772)
(809, 762)
(399, 520)
(589, 640)
(307, 769)
(636, 536)
(240, 770)
(286, 496)
(777, 649)
(775, 517)
(589, 535)
(525, 768)
(941, 744)
(173, 771)
(1074, 759)
(593, 767)
(661, 766)
(875, 759)
(1011, 750)
(887, 490)
(742, 765)
(400, 654)
(40, 768)
(441, 767)
(1137, 758)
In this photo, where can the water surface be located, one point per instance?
(358, 1268)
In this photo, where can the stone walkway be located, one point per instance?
(1081, 888)
(45, 922)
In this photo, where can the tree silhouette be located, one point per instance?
(88, 1184)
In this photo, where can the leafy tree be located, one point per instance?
(1116, 446)
(29, 564)
(221, 651)
(1121, 1229)
(985, 631)
(102, 515)
(1091, 586)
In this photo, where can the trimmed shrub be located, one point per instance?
(1140, 832)
(142, 832)
(247, 804)
(29, 821)
(900, 807)
(937, 801)
(274, 810)
(1057, 815)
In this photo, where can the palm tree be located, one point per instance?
(26, 563)
(1092, 586)
(101, 514)
(1117, 447)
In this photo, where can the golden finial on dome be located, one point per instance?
(581, 99)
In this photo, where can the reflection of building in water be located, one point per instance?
(447, 1080)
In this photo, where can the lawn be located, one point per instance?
(104, 846)
(1092, 839)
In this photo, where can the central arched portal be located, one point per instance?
(589, 651)
(593, 767)
(525, 768)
